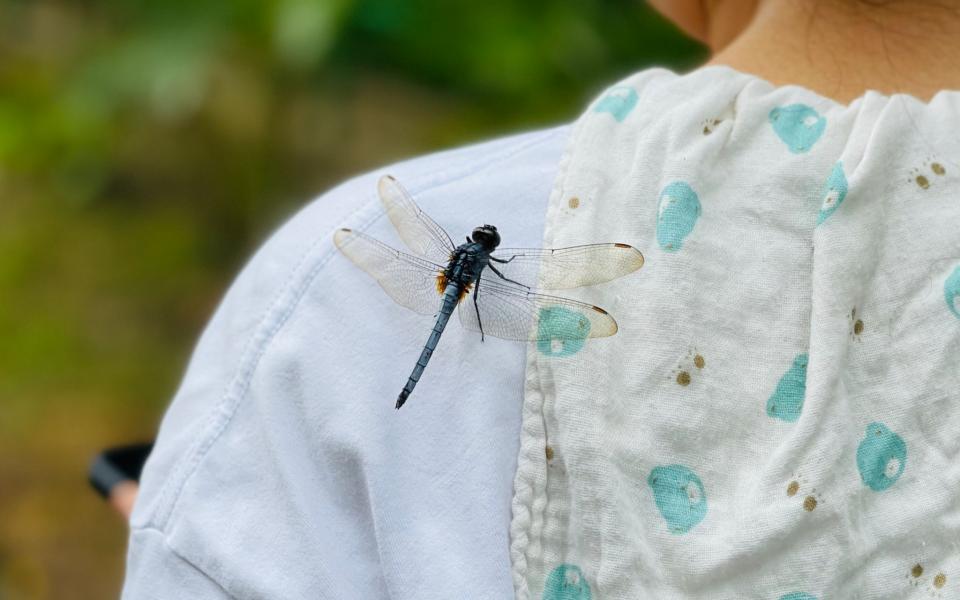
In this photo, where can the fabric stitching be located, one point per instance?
(527, 498)
(184, 559)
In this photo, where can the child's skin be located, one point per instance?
(837, 48)
(122, 497)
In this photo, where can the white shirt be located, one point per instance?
(282, 469)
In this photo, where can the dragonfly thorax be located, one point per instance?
(466, 262)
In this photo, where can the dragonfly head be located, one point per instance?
(486, 235)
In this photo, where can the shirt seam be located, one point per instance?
(173, 551)
(529, 493)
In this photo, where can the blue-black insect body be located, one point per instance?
(455, 283)
(491, 287)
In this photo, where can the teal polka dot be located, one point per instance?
(677, 212)
(618, 101)
(797, 596)
(679, 496)
(566, 582)
(786, 402)
(881, 457)
(951, 291)
(798, 126)
(561, 331)
(834, 192)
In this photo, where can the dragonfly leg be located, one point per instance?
(476, 291)
(507, 278)
(501, 261)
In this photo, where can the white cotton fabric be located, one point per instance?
(282, 469)
(778, 416)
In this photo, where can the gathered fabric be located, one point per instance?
(778, 416)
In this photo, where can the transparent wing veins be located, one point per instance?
(515, 313)
(565, 268)
(409, 280)
(417, 230)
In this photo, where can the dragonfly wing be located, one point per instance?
(417, 230)
(564, 268)
(514, 313)
(411, 281)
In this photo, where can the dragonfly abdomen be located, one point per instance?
(451, 296)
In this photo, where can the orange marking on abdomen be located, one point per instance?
(442, 282)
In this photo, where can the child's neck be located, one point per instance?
(841, 48)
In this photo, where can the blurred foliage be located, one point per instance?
(148, 146)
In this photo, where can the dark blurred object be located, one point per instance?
(117, 465)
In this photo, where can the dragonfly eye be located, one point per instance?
(486, 235)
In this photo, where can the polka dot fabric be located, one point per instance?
(778, 416)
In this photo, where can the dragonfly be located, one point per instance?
(494, 290)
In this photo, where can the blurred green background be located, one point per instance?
(148, 147)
